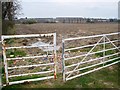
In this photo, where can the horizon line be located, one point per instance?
(72, 17)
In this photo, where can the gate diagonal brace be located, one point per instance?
(85, 57)
(112, 43)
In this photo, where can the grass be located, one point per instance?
(10, 41)
(106, 53)
(81, 50)
(26, 77)
(15, 53)
(105, 78)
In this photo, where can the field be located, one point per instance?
(67, 30)
(64, 28)
(105, 78)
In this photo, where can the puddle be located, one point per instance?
(44, 48)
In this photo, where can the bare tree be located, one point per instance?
(9, 11)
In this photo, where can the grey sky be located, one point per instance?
(72, 8)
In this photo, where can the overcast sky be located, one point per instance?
(71, 8)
